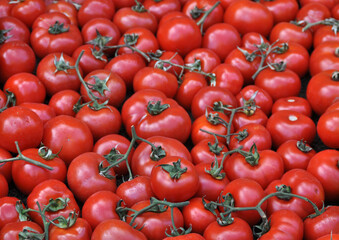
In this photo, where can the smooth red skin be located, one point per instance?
(5, 8)
(329, 237)
(65, 8)
(3, 186)
(313, 12)
(3, 99)
(282, 128)
(282, 10)
(302, 183)
(237, 59)
(334, 106)
(241, 119)
(127, 18)
(324, 34)
(84, 178)
(192, 83)
(11, 230)
(8, 212)
(221, 38)
(173, 57)
(328, 130)
(216, 16)
(46, 190)
(44, 111)
(328, 3)
(335, 11)
(28, 11)
(56, 81)
(49, 18)
(155, 224)
(321, 91)
(258, 17)
(172, 15)
(159, 9)
(142, 164)
(114, 229)
(136, 190)
(263, 99)
(22, 125)
(26, 88)
(62, 102)
(201, 152)
(289, 32)
(208, 95)
(100, 206)
(106, 28)
(251, 39)
(189, 236)
(68, 134)
(246, 193)
(324, 166)
(104, 145)
(297, 104)
(16, 57)
(208, 58)
(91, 9)
(286, 225)
(228, 77)
(257, 134)
(323, 58)
(293, 157)
(6, 168)
(147, 42)
(44, 43)
(296, 59)
(202, 123)
(18, 31)
(238, 230)
(174, 33)
(124, 3)
(197, 216)
(155, 78)
(209, 187)
(88, 61)
(326, 223)
(279, 84)
(126, 66)
(81, 230)
(26, 175)
(270, 167)
(174, 190)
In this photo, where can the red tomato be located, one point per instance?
(324, 34)
(172, 57)
(11, 230)
(13, 29)
(44, 111)
(282, 10)
(80, 230)
(206, 151)
(328, 129)
(27, 11)
(324, 57)
(313, 12)
(251, 40)
(160, 8)
(91, 9)
(63, 102)
(207, 58)
(297, 104)
(65, 8)
(3, 186)
(8, 212)
(5, 8)
(49, 18)
(6, 168)
(243, 118)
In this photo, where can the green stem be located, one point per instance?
(203, 19)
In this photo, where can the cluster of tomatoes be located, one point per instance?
(169, 119)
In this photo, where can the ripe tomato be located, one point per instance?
(13, 29)
(8, 212)
(297, 104)
(28, 11)
(11, 230)
(6, 168)
(65, 8)
(63, 102)
(243, 118)
(208, 59)
(324, 57)
(206, 151)
(81, 230)
(313, 12)
(282, 10)
(328, 130)
(49, 18)
(44, 111)
(160, 8)
(91, 9)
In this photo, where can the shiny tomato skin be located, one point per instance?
(11, 230)
(44, 111)
(62, 102)
(313, 12)
(49, 18)
(65, 8)
(8, 212)
(189, 236)
(297, 104)
(16, 30)
(6, 168)
(282, 10)
(324, 57)
(160, 8)
(81, 230)
(208, 59)
(206, 151)
(242, 119)
(3, 186)
(328, 130)
(28, 11)
(91, 9)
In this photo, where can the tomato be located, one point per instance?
(173, 34)
(206, 151)
(322, 90)
(68, 135)
(284, 224)
(89, 166)
(47, 19)
(156, 223)
(62, 102)
(16, 57)
(44, 111)
(258, 18)
(324, 34)
(114, 229)
(135, 16)
(325, 223)
(5, 8)
(26, 88)
(13, 29)
(174, 179)
(160, 8)
(297, 104)
(104, 202)
(299, 182)
(335, 11)
(81, 230)
(324, 57)
(328, 3)
(243, 118)
(27, 11)
(286, 125)
(155, 78)
(324, 166)
(91, 9)
(327, 128)
(207, 58)
(22, 125)
(282, 10)
(55, 72)
(135, 190)
(3, 99)
(6, 168)
(189, 236)
(252, 40)
(296, 154)
(11, 230)
(8, 213)
(197, 216)
(237, 230)
(51, 189)
(65, 8)
(172, 57)
(313, 12)
(246, 193)
(145, 157)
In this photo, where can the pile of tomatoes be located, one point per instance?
(169, 119)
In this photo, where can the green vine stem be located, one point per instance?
(206, 14)
(11, 100)
(328, 22)
(24, 158)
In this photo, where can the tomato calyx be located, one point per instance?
(57, 28)
(113, 156)
(100, 85)
(3, 37)
(301, 145)
(335, 75)
(10, 100)
(242, 135)
(138, 7)
(100, 41)
(327, 22)
(61, 64)
(30, 233)
(47, 153)
(155, 108)
(284, 189)
(157, 153)
(215, 148)
(175, 170)
(214, 119)
(252, 156)
(215, 170)
(198, 13)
